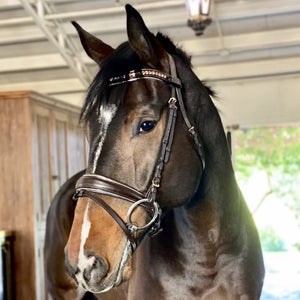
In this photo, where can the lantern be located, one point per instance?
(198, 14)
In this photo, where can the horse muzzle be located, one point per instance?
(95, 275)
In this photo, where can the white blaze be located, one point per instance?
(83, 261)
(86, 226)
(106, 113)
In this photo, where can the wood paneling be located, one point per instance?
(41, 146)
(16, 199)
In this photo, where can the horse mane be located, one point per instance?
(171, 48)
(122, 61)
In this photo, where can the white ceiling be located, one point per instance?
(39, 48)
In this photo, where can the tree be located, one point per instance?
(276, 150)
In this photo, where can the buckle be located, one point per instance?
(156, 215)
(156, 228)
(78, 194)
(155, 184)
(172, 100)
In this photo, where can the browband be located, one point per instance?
(145, 74)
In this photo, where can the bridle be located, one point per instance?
(93, 186)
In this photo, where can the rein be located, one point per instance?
(92, 185)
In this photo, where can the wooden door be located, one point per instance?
(76, 147)
(41, 162)
(41, 124)
(59, 150)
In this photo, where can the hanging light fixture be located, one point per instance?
(198, 14)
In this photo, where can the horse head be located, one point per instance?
(145, 155)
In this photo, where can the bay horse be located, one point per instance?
(159, 214)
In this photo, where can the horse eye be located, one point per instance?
(147, 126)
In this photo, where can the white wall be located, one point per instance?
(260, 101)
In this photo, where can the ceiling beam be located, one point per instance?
(233, 71)
(21, 34)
(149, 5)
(249, 69)
(9, 4)
(70, 15)
(251, 9)
(245, 41)
(196, 47)
(46, 86)
(225, 11)
(34, 62)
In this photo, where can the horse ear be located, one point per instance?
(142, 40)
(94, 48)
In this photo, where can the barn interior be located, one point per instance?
(249, 55)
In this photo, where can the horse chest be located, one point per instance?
(197, 272)
(182, 273)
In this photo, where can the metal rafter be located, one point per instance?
(226, 10)
(198, 48)
(54, 32)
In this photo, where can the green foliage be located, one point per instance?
(270, 241)
(276, 150)
(269, 149)
(297, 246)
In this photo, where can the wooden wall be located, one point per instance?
(16, 205)
(41, 145)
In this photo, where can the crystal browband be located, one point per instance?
(144, 73)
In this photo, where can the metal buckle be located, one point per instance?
(156, 214)
(77, 195)
(155, 184)
(172, 100)
(156, 229)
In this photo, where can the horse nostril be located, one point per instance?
(96, 270)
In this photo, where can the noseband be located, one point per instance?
(92, 185)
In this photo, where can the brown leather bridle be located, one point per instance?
(92, 185)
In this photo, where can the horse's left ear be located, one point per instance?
(143, 41)
(94, 48)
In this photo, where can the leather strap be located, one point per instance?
(165, 148)
(191, 128)
(92, 185)
(107, 186)
(101, 185)
(95, 197)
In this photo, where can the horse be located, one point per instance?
(158, 213)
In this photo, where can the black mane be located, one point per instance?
(171, 48)
(122, 61)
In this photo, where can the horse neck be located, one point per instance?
(214, 209)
